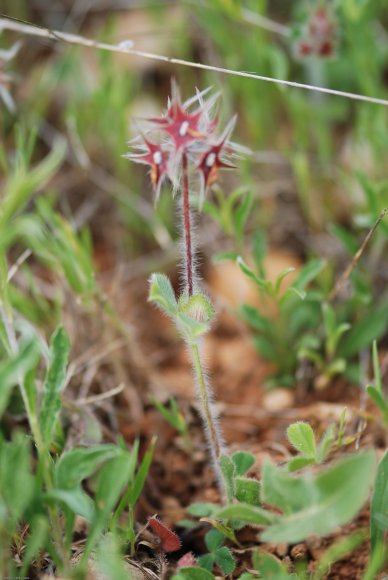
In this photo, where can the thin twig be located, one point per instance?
(15, 267)
(125, 47)
(101, 396)
(344, 277)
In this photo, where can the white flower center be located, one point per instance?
(183, 128)
(210, 160)
(157, 157)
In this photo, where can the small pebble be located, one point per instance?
(278, 400)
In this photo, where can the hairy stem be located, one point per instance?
(187, 225)
(209, 418)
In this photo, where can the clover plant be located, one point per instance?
(184, 147)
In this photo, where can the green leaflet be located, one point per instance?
(53, 384)
(379, 503)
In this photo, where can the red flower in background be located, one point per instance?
(318, 36)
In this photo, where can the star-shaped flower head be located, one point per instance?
(214, 158)
(184, 141)
(182, 126)
(157, 157)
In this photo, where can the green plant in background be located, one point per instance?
(174, 418)
(279, 336)
(51, 499)
(375, 390)
(327, 363)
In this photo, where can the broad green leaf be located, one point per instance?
(267, 564)
(280, 489)
(300, 462)
(379, 503)
(377, 398)
(202, 509)
(301, 436)
(76, 465)
(17, 484)
(53, 384)
(112, 479)
(228, 471)
(161, 292)
(206, 561)
(332, 499)
(243, 461)
(224, 559)
(247, 513)
(75, 499)
(363, 332)
(14, 369)
(214, 539)
(226, 530)
(195, 573)
(247, 490)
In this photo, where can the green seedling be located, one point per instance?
(310, 451)
(174, 418)
(327, 364)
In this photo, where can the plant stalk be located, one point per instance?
(187, 225)
(208, 415)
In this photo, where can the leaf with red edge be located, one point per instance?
(169, 541)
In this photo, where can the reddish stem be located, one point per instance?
(187, 226)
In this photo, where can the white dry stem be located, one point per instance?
(32, 30)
